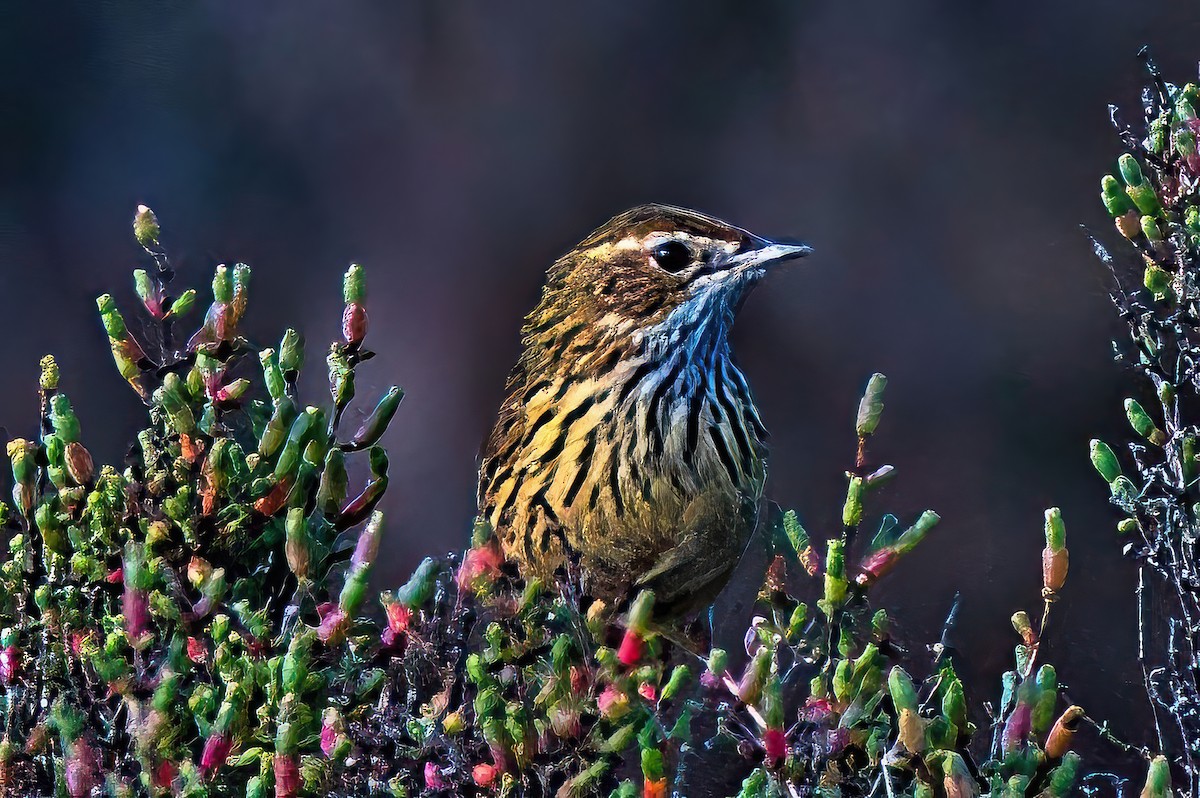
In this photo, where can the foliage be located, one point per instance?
(819, 700)
(1154, 200)
(194, 623)
(187, 625)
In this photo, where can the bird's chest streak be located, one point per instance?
(634, 449)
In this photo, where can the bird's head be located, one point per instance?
(658, 264)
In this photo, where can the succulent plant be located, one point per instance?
(199, 622)
(1154, 201)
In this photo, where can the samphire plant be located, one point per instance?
(197, 622)
(186, 625)
(1154, 199)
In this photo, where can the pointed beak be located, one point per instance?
(766, 254)
(778, 253)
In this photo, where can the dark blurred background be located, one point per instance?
(940, 156)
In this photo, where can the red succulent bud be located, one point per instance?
(275, 499)
(877, 565)
(1054, 569)
(163, 775)
(811, 561)
(82, 768)
(580, 679)
(775, 746)
(433, 777)
(817, 710)
(480, 566)
(484, 774)
(631, 648)
(333, 622)
(1017, 729)
(287, 776)
(398, 617)
(216, 751)
(10, 664)
(79, 463)
(190, 447)
(655, 788)
(329, 737)
(135, 606)
(196, 650)
(354, 324)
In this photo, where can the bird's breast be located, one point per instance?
(610, 464)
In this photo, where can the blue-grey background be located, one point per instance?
(939, 156)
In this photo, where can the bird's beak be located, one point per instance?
(768, 253)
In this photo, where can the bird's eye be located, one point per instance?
(672, 256)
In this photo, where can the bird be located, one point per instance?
(628, 446)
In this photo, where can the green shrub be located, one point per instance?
(197, 623)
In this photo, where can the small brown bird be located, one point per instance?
(629, 441)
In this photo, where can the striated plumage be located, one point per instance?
(629, 440)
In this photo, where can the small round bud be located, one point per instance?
(870, 407)
(145, 227)
(1104, 460)
(1129, 224)
(1151, 229)
(114, 324)
(1115, 200)
(1145, 199)
(143, 286)
(1142, 424)
(291, 352)
(354, 324)
(296, 547)
(902, 690)
(1157, 280)
(852, 510)
(222, 285)
(183, 303)
(79, 463)
(1158, 779)
(1191, 219)
(718, 662)
(1156, 139)
(48, 379)
(1056, 530)
(354, 285)
(1131, 170)
(1185, 143)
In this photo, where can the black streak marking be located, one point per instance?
(735, 422)
(585, 465)
(614, 484)
(695, 408)
(638, 375)
(723, 453)
(652, 426)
